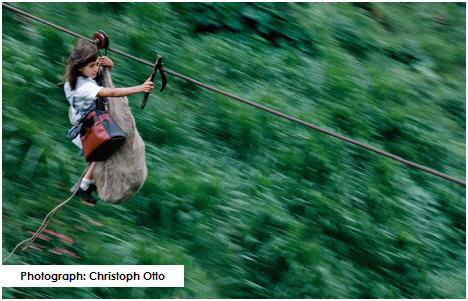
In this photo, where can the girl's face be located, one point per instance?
(90, 70)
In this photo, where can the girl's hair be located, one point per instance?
(81, 56)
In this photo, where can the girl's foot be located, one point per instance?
(92, 187)
(86, 196)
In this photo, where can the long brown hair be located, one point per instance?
(82, 55)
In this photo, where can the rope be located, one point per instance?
(282, 115)
(46, 220)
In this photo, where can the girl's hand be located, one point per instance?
(147, 87)
(106, 62)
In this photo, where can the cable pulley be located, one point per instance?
(101, 39)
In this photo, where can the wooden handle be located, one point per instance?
(153, 74)
(145, 98)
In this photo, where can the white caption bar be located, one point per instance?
(92, 275)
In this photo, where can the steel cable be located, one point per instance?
(349, 140)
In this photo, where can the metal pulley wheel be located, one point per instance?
(101, 39)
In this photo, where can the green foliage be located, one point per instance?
(277, 23)
(254, 206)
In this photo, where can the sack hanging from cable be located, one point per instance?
(121, 176)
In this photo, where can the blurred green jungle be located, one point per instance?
(254, 206)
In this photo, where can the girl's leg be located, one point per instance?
(87, 185)
(88, 178)
(89, 173)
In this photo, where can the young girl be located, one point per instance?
(82, 90)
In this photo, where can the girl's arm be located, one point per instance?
(146, 87)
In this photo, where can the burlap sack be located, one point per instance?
(122, 175)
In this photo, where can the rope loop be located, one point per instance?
(46, 220)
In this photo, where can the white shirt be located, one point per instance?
(83, 98)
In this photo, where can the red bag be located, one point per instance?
(100, 136)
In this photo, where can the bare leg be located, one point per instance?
(84, 190)
(90, 172)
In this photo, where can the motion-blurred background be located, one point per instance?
(253, 205)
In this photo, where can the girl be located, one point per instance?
(82, 90)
